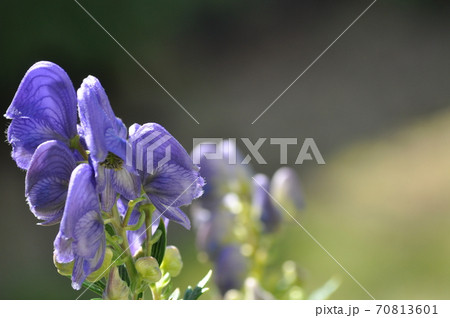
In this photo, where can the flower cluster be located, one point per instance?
(86, 173)
(238, 218)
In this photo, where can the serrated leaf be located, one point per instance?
(197, 291)
(159, 248)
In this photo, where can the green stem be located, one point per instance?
(148, 210)
(131, 205)
(128, 259)
(139, 223)
(156, 294)
(111, 241)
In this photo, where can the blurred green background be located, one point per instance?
(377, 104)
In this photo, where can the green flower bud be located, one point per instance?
(104, 269)
(172, 262)
(148, 269)
(64, 269)
(116, 288)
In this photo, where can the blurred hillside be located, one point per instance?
(381, 207)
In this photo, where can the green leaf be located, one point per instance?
(97, 287)
(195, 293)
(123, 273)
(159, 247)
(109, 229)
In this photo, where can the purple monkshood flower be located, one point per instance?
(105, 137)
(170, 179)
(81, 236)
(269, 215)
(231, 268)
(43, 109)
(222, 175)
(47, 180)
(214, 230)
(286, 189)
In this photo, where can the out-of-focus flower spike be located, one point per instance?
(254, 291)
(263, 205)
(213, 230)
(231, 269)
(221, 167)
(286, 189)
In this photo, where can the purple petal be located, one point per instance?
(81, 235)
(102, 131)
(46, 93)
(121, 128)
(89, 247)
(151, 146)
(47, 180)
(108, 194)
(111, 182)
(133, 129)
(126, 183)
(174, 185)
(170, 212)
(26, 134)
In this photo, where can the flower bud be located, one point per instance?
(116, 288)
(263, 205)
(104, 269)
(233, 294)
(172, 262)
(231, 269)
(148, 268)
(286, 189)
(64, 269)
